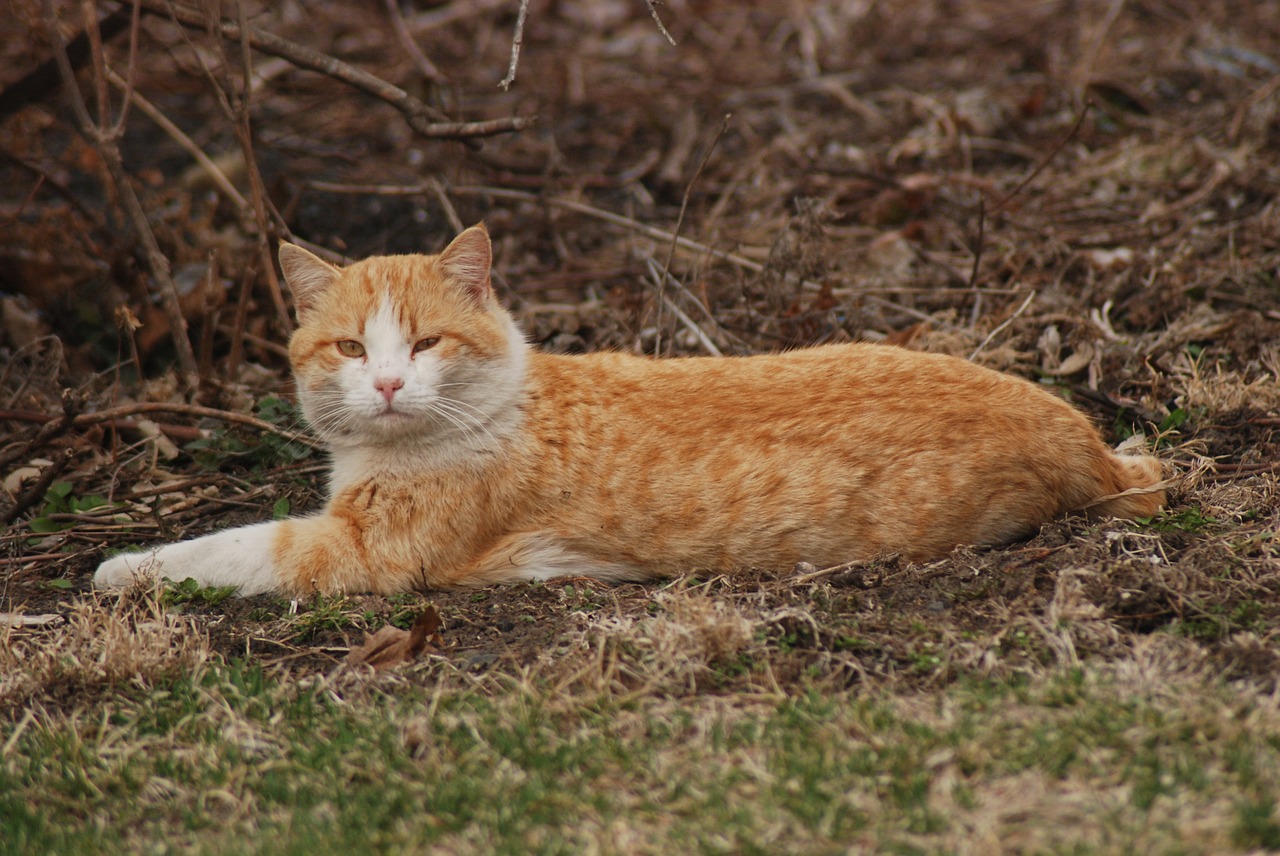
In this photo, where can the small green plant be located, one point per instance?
(1190, 519)
(59, 499)
(326, 614)
(925, 659)
(280, 509)
(227, 443)
(190, 591)
(406, 608)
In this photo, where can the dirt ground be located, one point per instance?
(1081, 193)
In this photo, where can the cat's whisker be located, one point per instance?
(455, 415)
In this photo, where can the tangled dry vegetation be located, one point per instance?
(1080, 193)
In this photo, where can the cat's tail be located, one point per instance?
(1136, 488)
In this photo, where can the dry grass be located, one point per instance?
(101, 645)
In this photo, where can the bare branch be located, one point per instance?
(426, 66)
(675, 234)
(106, 146)
(653, 10)
(421, 117)
(516, 41)
(215, 173)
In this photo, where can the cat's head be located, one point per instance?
(397, 347)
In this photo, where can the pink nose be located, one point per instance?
(388, 386)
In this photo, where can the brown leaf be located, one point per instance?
(392, 646)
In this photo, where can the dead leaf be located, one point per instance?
(166, 447)
(1076, 362)
(904, 338)
(392, 646)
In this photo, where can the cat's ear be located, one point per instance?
(467, 261)
(308, 276)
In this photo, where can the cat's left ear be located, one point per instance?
(308, 276)
(468, 259)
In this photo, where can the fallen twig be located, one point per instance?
(661, 276)
(1003, 324)
(35, 491)
(193, 410)
(54, 426)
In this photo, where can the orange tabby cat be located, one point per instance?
(463, 457)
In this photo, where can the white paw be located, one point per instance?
(127, 569)
(239, 558)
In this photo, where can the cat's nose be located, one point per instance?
(388, 386)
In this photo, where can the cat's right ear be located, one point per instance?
(468, 259)
(308, 276)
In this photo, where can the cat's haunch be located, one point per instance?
(463, 457)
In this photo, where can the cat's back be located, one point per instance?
(829, 452)
(847, 386)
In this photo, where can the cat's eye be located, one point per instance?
(350, 348)
(424, 344)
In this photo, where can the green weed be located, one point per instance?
(59, 499)
(231, 442)
(190, 591)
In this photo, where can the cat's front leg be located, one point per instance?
(241, 558)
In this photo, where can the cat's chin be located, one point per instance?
(391, 423)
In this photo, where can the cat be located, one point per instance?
(463, 457)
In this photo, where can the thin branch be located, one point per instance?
(675, 234)
(106, 146)
(653, 10)
(516, 41)
(89, 14)
(659, 277)
(1003, 324)
(257, 188)
(421, 117)
(131, 66)
(215, 173)
(193, 410)
(426, 66)
(1075, 127)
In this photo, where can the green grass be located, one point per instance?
(237, 758)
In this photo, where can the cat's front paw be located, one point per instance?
(239, 558)
(127, 569)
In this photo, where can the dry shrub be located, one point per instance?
(99, 645)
